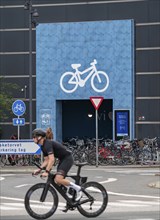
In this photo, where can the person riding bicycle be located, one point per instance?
(52, 149)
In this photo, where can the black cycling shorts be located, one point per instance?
(65, 165)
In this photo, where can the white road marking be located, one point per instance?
(132, 195)
(5, 174)
(108, 181)
(137, 202)
(126, 204)
(2, 176)
(19, 186)
(118, 203)
(147, 174)
(9, 208)
(141, 219)
(9, 198)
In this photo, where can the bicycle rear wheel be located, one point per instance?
(99, 200)
(38, 209)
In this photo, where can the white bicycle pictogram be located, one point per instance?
(18, 107)
(70, 81)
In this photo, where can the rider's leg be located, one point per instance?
(60, 180)
(62, 170)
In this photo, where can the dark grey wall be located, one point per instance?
(14, 48)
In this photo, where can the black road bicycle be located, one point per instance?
(41, 200)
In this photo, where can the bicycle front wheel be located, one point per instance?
(94, 200)
(38, 209)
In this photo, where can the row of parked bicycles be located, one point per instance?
(19, 159)
(109, 152)
(121, 152)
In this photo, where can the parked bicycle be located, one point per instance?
(41, 200)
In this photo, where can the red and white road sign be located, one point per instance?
(96, 101)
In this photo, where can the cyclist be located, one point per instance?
(51, 150)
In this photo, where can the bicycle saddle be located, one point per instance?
(81, 164)
(75, 66)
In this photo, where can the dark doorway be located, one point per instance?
(78, 119)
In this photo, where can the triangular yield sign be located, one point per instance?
(96, 101)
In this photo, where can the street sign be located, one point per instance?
(18, 107)
(19, 147)
(96, 101)
(18, 121)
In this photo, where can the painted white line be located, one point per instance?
(19, 186)
(132, 195)
(13, 199)
(120, 203)
(139, 202)
(125, 204)
(9, 208)
(147, 174)
(5, 174)
(13, 204)
(108, 181)
(141, 219)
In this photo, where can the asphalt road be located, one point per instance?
(130, 196)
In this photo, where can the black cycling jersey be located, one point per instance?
(53, 147)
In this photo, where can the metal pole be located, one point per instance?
(30, 68)
(18, 129)
(96, 138)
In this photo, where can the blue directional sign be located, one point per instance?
(19, 147)
(19, 121)
(18, 107)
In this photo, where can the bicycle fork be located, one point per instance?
(44, 192)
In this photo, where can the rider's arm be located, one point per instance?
(45, 162)
(50, 162)
(43, 165)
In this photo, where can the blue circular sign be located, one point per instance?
(18, 107)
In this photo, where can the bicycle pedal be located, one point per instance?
(65, 210)
(72, 209)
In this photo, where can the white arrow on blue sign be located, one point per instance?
(18, 121)
(19, 147)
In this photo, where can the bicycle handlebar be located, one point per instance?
(37, 165)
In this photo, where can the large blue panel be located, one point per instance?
(60, 45)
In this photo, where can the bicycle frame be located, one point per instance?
(49, 195)
(70, 201)
(78, 73)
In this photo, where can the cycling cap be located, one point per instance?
(38, 132)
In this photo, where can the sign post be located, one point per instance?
(18, 108)
(96, 101)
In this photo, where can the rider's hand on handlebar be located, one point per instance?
(45, 174)
(36, 172)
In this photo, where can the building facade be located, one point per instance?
(14, 61)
